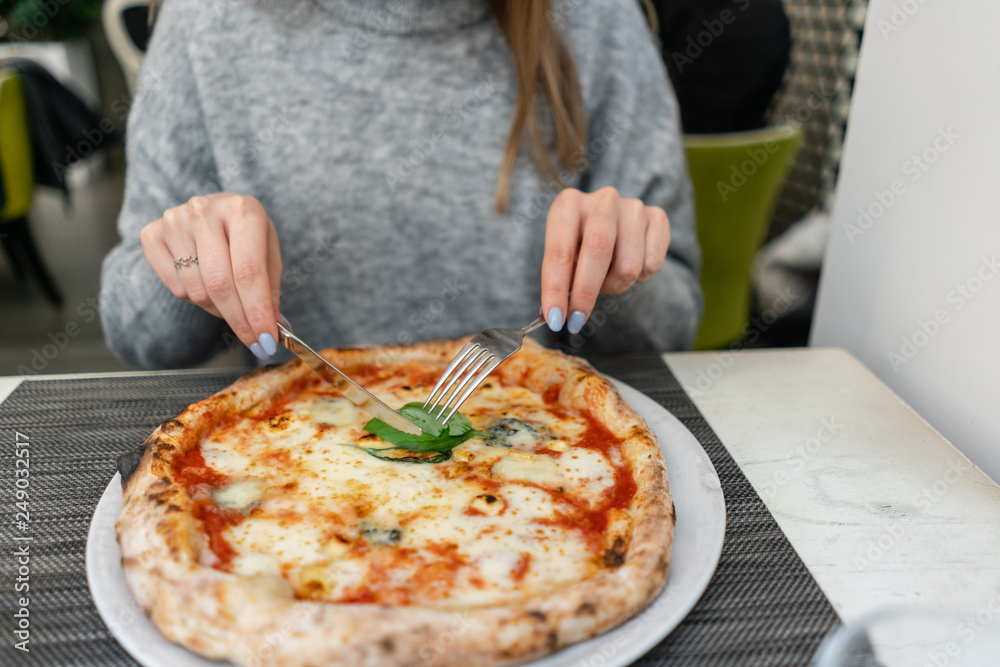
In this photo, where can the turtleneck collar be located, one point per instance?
(408, 16)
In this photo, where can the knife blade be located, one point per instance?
(351, 390)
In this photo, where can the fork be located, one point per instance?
(472, 364)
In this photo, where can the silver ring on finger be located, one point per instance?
(184, 261)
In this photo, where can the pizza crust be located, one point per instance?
(257, 620)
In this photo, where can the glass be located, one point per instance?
(916, 637)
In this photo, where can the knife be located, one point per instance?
(351, 390)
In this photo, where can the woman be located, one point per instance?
(400, 170)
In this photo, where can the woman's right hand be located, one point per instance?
(238, 273)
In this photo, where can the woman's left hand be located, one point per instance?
(597, 242)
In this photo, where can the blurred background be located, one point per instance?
(764, 175)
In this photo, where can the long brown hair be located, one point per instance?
(547, 84)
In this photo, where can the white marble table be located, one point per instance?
(881, 509)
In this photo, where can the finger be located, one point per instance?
(180, 241)
(274, 267)
(249, 227)
(217, 274)
(562, 239)
(630, 248)
(657, 241)
(600, 230)
(159, 258)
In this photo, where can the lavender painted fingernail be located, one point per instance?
(576, 321)
(285, 320)
(259, 352)
(268, 343)
(555, 319)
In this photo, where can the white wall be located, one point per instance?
(913, 287)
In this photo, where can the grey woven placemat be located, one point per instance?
(762, 607)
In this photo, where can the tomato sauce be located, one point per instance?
(192, 472)
(593, 523)
(190, 468)
(408, 375)
(522, 567)
(600, 438)
(383, 568)
(216, 520)
(395, 575)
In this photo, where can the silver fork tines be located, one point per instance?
(472, 364)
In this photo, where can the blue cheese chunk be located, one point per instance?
(239, 495)
(513, 433)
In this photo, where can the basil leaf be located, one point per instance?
(421, 443)
(459, 424)
(434, 439)
(416, 414)
(407, 456)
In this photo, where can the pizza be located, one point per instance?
(270, 524)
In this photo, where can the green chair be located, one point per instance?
(737, 178)
(18, 174)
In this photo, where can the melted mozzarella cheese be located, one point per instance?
(327, 515)
(225, 458)
(336, 412)
(239, 496)
(251, 564)
(534, 468)
(587, 473)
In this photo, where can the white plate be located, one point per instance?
(701, 527)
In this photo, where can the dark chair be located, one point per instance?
(17, 172)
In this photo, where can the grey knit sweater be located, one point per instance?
(372, 132)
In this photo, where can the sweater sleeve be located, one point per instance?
(635, 145)
(169, 160)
